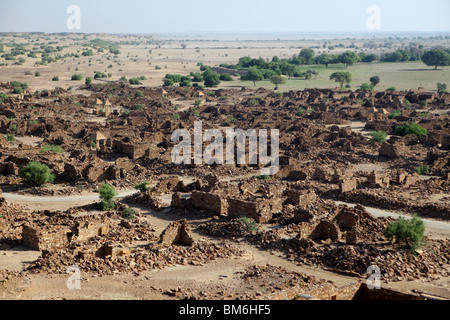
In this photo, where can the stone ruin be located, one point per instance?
(178, 232)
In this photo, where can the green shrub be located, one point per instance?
(17, 90)
(37, 74)
(134, 81)
(263, 177)
(248, 224)
(422, 170)
(142, 187)
(36, 174)
(300, 111)
(391, 89)
(366, 86)
(10, 137)
(176, 116)
(77, 77)
(107, 195)
(379, 136)
(253, 103)
(411, 128)
(55, 78)
(129, 214)
(126, 112)
(394, 114)
(139, 94)
(88, 81)
(225, 77)
(407, 233)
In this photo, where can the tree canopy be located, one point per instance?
(436, 58)
(341, 77)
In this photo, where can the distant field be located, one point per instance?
(403, 76)
(154, 61)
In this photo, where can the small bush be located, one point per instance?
(77, 77)
(379, 136)
(225, 77)
(10, 137)
(139, 94)
(391, 89)
(407, 233)
(37, 74)
(366, 86)
(253, 103)
(394, 114)
(88, 81)
(142, 187)
(126, 112)
(263, 177)
(107, 195)
(411, 128)
(300, 111)
(422, 170)
(134, 81)
(175, 116)
(129, 214)
(36, 174)
(55, 78)
(248, 224)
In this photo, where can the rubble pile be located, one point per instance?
(132, 260)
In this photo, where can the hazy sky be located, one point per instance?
(211, 16)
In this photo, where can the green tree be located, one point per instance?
(212, 79)
(107, 195)
(341, 77)
(436, 58)
(324, 59)
(254, 75)
(375, 80)
(349, 58)
(36, 174)
(409, 233)
(307, 55)
(277, 80)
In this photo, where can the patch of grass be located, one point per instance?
(50, 148)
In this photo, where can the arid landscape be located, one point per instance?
(110, 202)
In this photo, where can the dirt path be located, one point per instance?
(434, 228)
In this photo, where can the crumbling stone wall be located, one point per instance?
(209, 201)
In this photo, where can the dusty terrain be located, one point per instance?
(317, 224)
